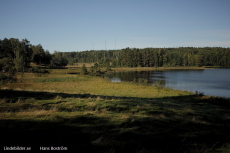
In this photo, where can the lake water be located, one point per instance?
(208, 81)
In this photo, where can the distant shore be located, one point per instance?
(162, 68)
(119, 69)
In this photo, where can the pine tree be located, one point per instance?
(83, 69)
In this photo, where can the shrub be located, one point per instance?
(134, 80)
(39, 72)
(8, 77)
(95, 70)
(159, 84)
(83, 69)
(140, 81)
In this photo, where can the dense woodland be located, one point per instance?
(16, 56)
(154, 57)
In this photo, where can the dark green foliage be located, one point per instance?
(16, 55)
(6, 49)
(155, 57)
(40, 56)
(7, 62)
(83, 69)
(22, 52)
(59, 60)
(6, 77)
(38, 71)
(108, 67)
(95, 70)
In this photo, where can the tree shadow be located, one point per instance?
(171, 124)
(36, 134)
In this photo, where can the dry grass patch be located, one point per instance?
(3, 100)
(86, 64)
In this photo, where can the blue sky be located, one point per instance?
(78, 25)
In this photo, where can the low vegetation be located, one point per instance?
(83, 112)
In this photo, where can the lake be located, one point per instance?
(208, 81)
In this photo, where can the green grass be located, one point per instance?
(78, 84)
(66, 79)
(92, 114)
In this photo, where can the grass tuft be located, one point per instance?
(3, 100)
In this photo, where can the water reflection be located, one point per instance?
(114, 79)
(209, 81)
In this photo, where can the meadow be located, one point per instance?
(91, 114)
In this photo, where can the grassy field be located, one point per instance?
(91, 114)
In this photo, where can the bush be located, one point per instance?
(6, 79)
(95, 70)
(199, 93)
(134, 80)
(39, 72)
(140, 81)
(35, 69)
(2, 76)
(159, 84)
(83, 69)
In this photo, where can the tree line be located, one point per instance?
(16, 56)
(154, 57)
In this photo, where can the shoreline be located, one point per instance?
(122, 69)
(158, 68)
(117, 69)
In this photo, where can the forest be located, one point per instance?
(154, 57)
(16, 56)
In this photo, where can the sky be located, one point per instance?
(79, 25)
